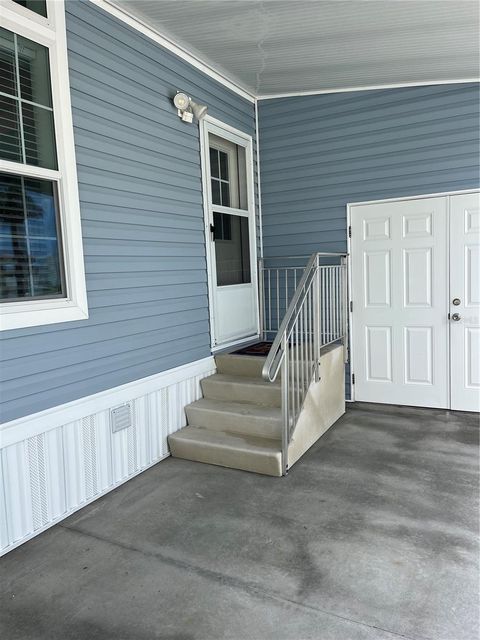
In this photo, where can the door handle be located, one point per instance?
(456, 317)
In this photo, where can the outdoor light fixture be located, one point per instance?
(187, 108)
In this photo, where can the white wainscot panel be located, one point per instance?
(55, 462)
(377, 278)
(417, 277)
(472, 358)
(418, 225)
(418, 346)
(376, 229)
(379, 354)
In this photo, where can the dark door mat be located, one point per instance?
(258, 349)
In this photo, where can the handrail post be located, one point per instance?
(261, 297)
(316, 323)
(285, 406)
(345, 309)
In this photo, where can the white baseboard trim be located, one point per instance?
(55, 462)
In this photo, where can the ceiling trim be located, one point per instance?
(372, 87)
(179, 51)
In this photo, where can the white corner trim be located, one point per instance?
(125, 16)
(373, 87)
(28, 426)
(259, 184)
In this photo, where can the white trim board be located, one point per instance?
(28, 426)
(373, 87)
(54, 462)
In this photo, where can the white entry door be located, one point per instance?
(465, 301)
(400, 315)
(230, 232)
(415, 267)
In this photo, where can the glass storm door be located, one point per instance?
(230, 237)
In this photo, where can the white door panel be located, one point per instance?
(465, 288)
(400, 324)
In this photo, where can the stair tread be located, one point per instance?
(221, 439)
(245, 380)
(242, 408)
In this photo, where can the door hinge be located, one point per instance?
(353, 378)
(351, 306)
(350, 232)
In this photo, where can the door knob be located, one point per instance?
(456, 317)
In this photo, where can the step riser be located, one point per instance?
(269, 396)
(225, 457)
(250, 366)
(247, 424)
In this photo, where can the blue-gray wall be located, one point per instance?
(318, 153)
(142, 218)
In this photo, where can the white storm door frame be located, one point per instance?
(350, 206)
(209, 125)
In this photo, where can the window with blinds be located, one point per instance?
(42, 274)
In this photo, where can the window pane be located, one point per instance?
(12, 217)
(40, 209)
(232, 253)
(34, 72)
(216, 192)
(214, 170)
(39, 136)
(225, 194)
(30, 256)
(10, 142)
(7, 63)
(37, 146)
(223, 165)
(46, 276)
(39, 6)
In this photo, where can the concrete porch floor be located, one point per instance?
(373, 535)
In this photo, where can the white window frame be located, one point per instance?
(51, 32)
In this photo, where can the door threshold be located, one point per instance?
(236, 344)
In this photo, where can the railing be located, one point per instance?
(306, 307)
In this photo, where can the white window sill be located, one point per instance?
(19, 315)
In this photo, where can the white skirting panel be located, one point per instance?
(57, 461)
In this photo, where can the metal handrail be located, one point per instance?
(275, 349)
(312, 264)
(315, 317)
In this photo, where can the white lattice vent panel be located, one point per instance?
(55, 471)
(38, 480)
(121, 417)
(89, 456)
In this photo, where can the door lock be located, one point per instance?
(456, 301)
(456, 317)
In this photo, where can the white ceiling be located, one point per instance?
(288, 46)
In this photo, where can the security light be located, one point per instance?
(187, 108)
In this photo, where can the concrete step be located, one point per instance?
(223, 386)
(236, 417)
(260, 455)
(240, 365)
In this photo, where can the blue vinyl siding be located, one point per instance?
(142, 221)
(319, 153)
